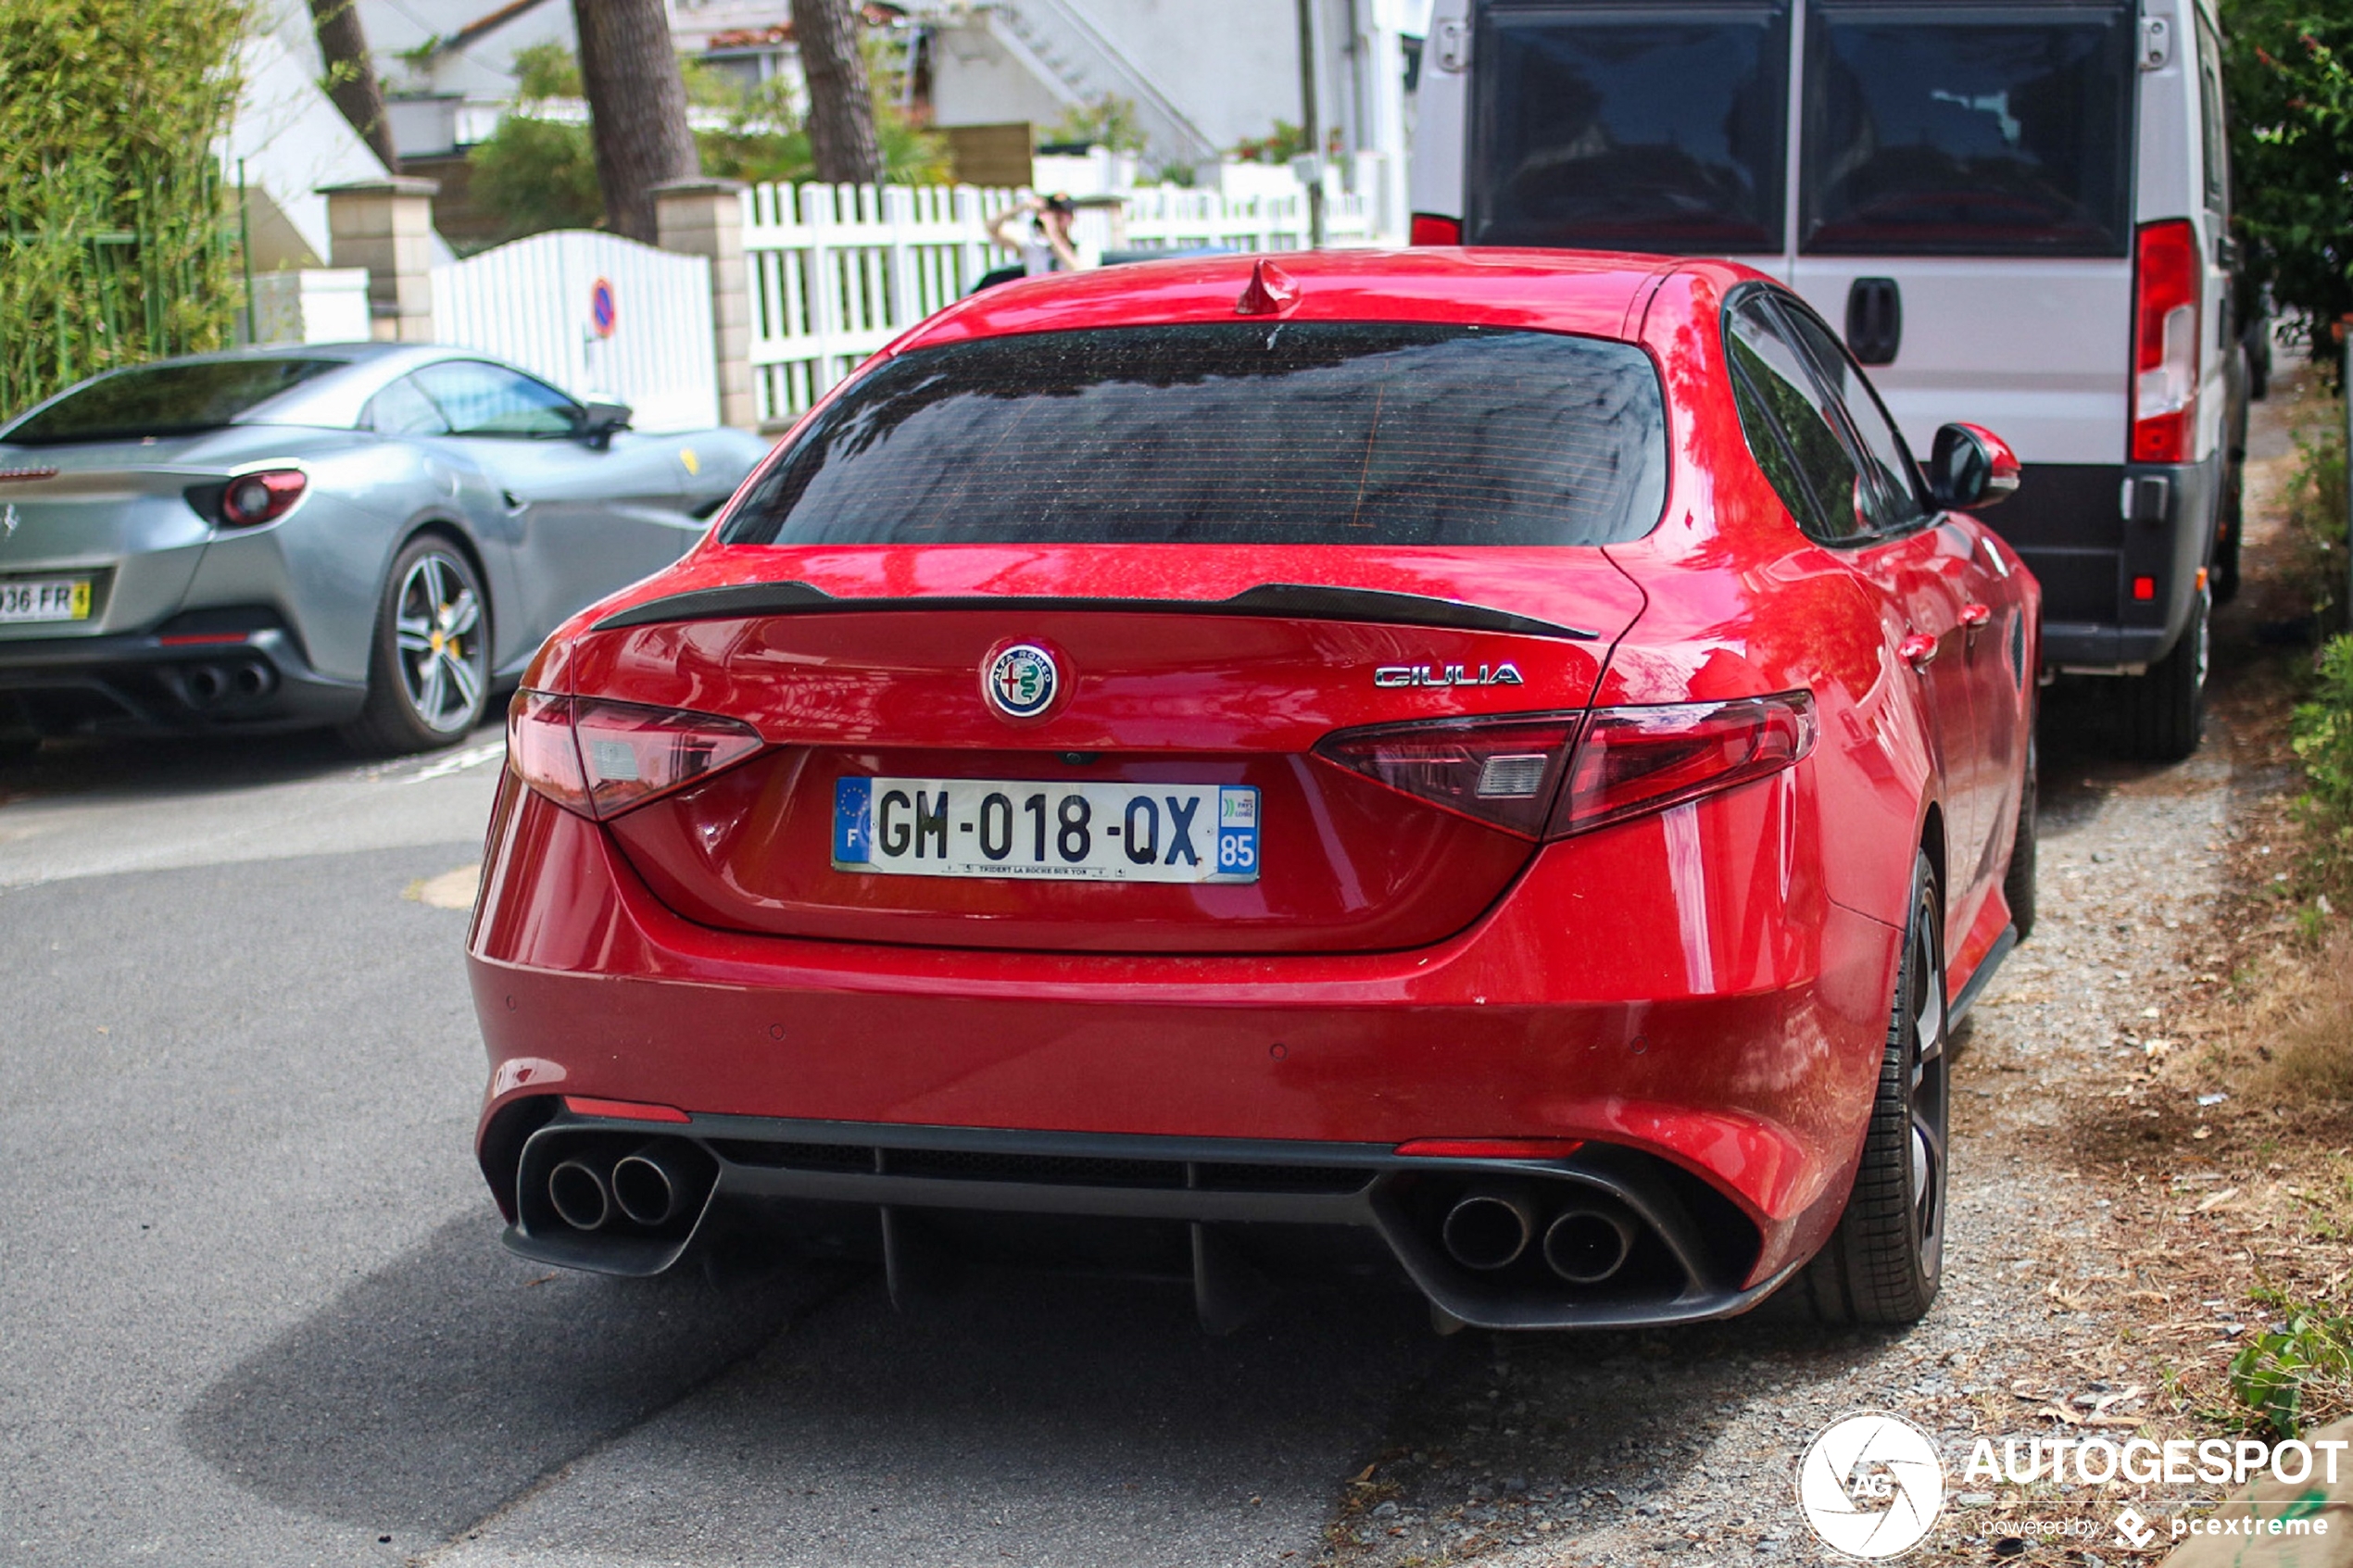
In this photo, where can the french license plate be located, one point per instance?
(1074, 832)
(53, 598)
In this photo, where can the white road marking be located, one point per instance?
(459, 761)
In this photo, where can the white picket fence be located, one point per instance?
(836, 272)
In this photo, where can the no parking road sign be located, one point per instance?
(601, 311)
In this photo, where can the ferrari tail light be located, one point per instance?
(1502, 772)
(1544, 776)
(1431, 230)
(2165, 342)
(253, 498)
(600, 758)
(1637, 760)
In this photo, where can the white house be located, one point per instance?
(289, 140)
(1202, 74)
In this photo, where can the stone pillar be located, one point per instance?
(706, 218)
(386, 226)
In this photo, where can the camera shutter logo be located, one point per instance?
(1022, 680)
(1870, 1486)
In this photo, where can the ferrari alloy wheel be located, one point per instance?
(429, 677)
(1883, 1262)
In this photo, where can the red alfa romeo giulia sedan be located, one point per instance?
(1487, 771)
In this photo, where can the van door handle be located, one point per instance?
(1875, 320)
(1918, 650)
(1975, 617)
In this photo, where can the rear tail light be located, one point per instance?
(2165, 342)
(600, 759)
(1551, 775)
(253, 498)
(1637, 760)
(1431, 230)
(1502, 772)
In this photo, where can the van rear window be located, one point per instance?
(1654, 127)
(1963, 129)
(1223, 433)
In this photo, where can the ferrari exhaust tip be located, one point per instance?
(1587, 1245)
(647, 1187)
(577, 1194)
(1489, 1227)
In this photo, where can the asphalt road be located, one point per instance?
(254, 1311)
(253, 1308)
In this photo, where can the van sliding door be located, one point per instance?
(1655, 127)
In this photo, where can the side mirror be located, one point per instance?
(1970, 468)
(598, 421)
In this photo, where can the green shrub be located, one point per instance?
(536, 175)
(2324, 740)
(115, 228)
(2303, 1368)
(2289, 70)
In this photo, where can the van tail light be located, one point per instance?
(600, 759)
(2165, 342)
(1549, 775)
(1431, 230)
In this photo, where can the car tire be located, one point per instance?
(1883, 1262)
(2226, 547)
(429, 664)
(2165, 710)
(2017, 883)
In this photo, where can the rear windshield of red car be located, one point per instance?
(1241, 432)
(164, 400)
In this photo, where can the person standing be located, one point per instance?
(1045, 246)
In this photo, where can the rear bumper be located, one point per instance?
(1729, 1035)
(2089, 531)
(146, 681)
(1228, 1213)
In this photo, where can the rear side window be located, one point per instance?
(1788, 424)
(1891, 489)
(1242, 433)
(1654, 127)
(1943, 129)
(165, 400)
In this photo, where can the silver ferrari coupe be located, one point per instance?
(370, 535)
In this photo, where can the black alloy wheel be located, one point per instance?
(1884, 1262)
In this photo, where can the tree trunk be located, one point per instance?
(636, 107)
(351, 75)
(841, 104)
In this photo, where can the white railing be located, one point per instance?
(835, 271)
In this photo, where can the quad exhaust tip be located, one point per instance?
(1585, 1242)
(577, 1194)
(1489, 1227)
(648, 1185)
(1587, 1245)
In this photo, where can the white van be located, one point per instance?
(2017, 208)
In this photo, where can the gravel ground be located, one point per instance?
(1614, 1449)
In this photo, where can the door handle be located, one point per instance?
(1918, 650)
(1975, 617)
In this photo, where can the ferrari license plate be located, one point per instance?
(46, 599)
(1074, 831)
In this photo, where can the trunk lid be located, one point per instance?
(1181, 670)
